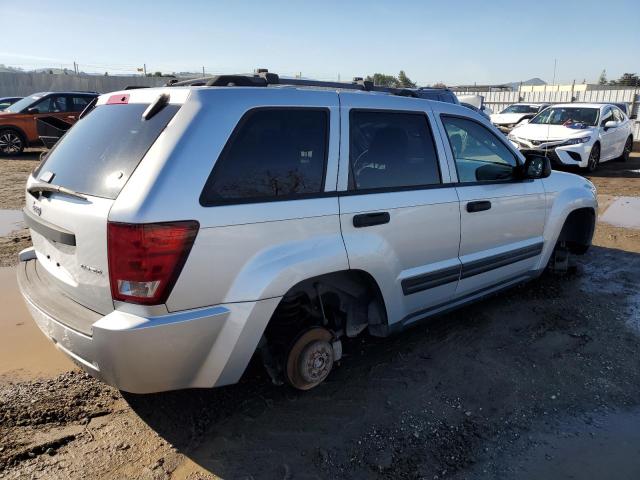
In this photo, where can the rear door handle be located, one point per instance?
(370, 219)
(478, 206)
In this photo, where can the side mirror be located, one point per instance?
(524, 121)
(33, 110)
(610, 124)
(536, 166)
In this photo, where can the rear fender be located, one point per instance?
(273, 271)
(266, 276)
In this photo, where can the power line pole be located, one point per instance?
(144, 69)
(203, 75)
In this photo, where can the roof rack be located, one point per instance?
(263, 78)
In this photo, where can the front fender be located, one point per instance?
(565, 193)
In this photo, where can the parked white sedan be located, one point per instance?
(511, 116)
(577, 134)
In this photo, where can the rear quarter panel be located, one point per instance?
(243, 252)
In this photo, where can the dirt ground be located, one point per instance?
(539, 382)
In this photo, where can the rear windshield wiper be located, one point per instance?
(49, 187)
(159, 103)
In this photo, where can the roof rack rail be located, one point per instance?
(263, 78)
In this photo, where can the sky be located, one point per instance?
(455, 42)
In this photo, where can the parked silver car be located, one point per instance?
(178, 231)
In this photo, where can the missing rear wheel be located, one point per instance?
(310, 359)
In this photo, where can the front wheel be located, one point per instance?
(594, 158)
(11, 142)
(626, 152)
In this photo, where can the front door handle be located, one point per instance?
(370, 219)
(478, 206)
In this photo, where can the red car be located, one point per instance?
(18, 122)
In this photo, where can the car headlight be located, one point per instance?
(511, 136)
(577, 141)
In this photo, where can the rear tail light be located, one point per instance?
(145, 260)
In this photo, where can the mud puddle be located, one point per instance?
(634, 312)
(605, 445)
(10, 220)
(623, 212)
(25, 353)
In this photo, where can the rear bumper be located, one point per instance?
(204, 347)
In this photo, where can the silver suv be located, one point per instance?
(178, 231)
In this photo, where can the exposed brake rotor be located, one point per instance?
(310, 359)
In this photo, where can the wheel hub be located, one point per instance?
(316, 361)
(310, 358)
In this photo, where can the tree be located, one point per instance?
(439, 85)
(603, 78)
(404, 81)
(383, 80)
(627, 80)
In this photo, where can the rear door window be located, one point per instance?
(274, 154)
(97, 156)
(78, 104)
(390, 150)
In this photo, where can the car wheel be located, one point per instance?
(628, 146)
(310, 359)
(594, 158)
(11, 142)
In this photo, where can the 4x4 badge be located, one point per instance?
(36, 209)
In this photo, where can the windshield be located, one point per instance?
(24, 103)
(567, 116)
(521, 109)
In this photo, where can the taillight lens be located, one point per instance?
(145, 260)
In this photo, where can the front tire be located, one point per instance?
(11, 142)
(594, 158)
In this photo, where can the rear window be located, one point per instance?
(97, 156)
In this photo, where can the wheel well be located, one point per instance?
(345, 302)
(18, 130)
(578, 229)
